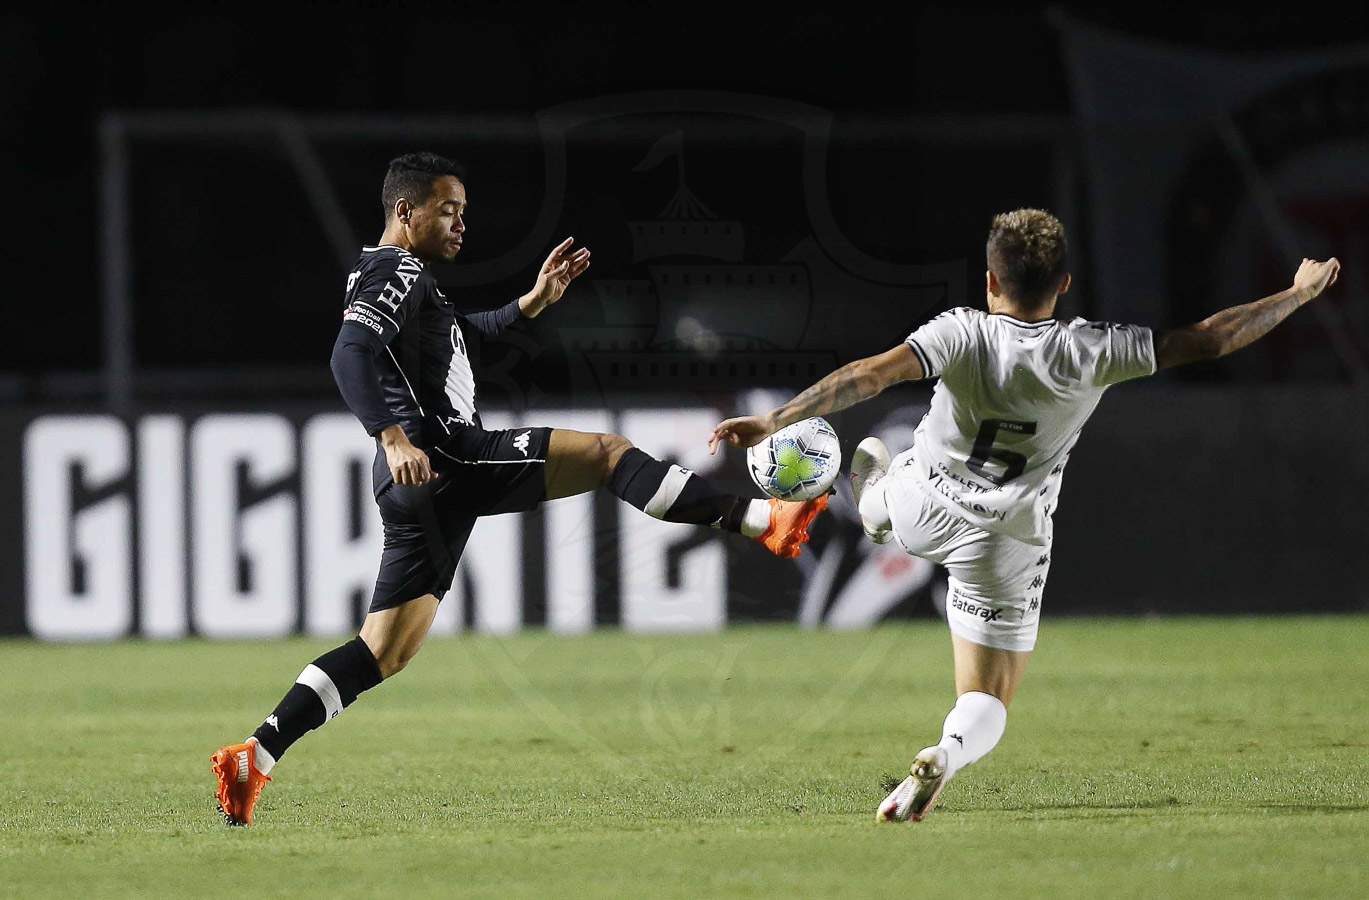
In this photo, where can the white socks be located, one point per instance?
(757, 518)
(972, 728)
(263, 760)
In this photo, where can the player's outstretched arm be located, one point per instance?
(1233, 328)
(558, 271)
(845, 387)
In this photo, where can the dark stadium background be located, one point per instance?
(1237, 486)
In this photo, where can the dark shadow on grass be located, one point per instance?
(1307, 808)
(1132, 806)
(1145, 807)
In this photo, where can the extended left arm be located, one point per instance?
(496, 320)
(845, 387)
(1237, 326)
(557, 272)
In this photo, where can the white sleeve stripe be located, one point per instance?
(376, 311)
(667, 492)
(406, 381)
(317, 679)
(921, 358)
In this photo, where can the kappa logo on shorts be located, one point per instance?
(521, 442)
(1037, 582)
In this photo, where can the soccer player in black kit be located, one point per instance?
(400, 363)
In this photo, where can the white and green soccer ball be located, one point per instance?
(798, 462)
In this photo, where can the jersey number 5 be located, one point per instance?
(1014, 463)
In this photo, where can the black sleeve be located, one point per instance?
(354, 370)
(380, 293)
(495, 320)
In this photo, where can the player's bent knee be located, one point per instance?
(394, 635)
(392, 658)
(611, 449)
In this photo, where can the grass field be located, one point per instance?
(1143, 758)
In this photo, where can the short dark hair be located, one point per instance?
(1028, 254)
(411, 176)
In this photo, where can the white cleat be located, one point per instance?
(888, 808)
(915, 797)
(869, 464)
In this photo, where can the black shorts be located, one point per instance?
(475, 473)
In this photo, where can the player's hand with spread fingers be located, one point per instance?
(1314, 276)
(408, 464)
(742, 431)
(560, 268)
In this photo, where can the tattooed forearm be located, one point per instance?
(1226, 331)
(848, 385)
(1231, 329)
(1241, 325)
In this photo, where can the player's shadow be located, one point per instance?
(1308, 808)
(1121, 810)
(1144, 808)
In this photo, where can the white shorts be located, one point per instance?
(993, 595)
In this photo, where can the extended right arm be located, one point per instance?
(354, 369)
(1233, 328)
(852, 383)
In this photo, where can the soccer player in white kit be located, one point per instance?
(976, 491)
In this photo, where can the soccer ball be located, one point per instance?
(798, 462)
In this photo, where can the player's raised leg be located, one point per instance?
(869, 465)
(580, 461)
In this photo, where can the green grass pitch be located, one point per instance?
(1143, 758)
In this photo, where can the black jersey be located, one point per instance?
(424, 370)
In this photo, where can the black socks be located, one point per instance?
(674, 494)
(325, 688)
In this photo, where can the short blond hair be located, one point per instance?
(1027, 253)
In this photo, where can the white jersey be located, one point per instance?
(1011, 401)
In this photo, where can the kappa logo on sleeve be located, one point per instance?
(521, 442)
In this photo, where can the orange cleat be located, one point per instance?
(240, 782)
(789, 525)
